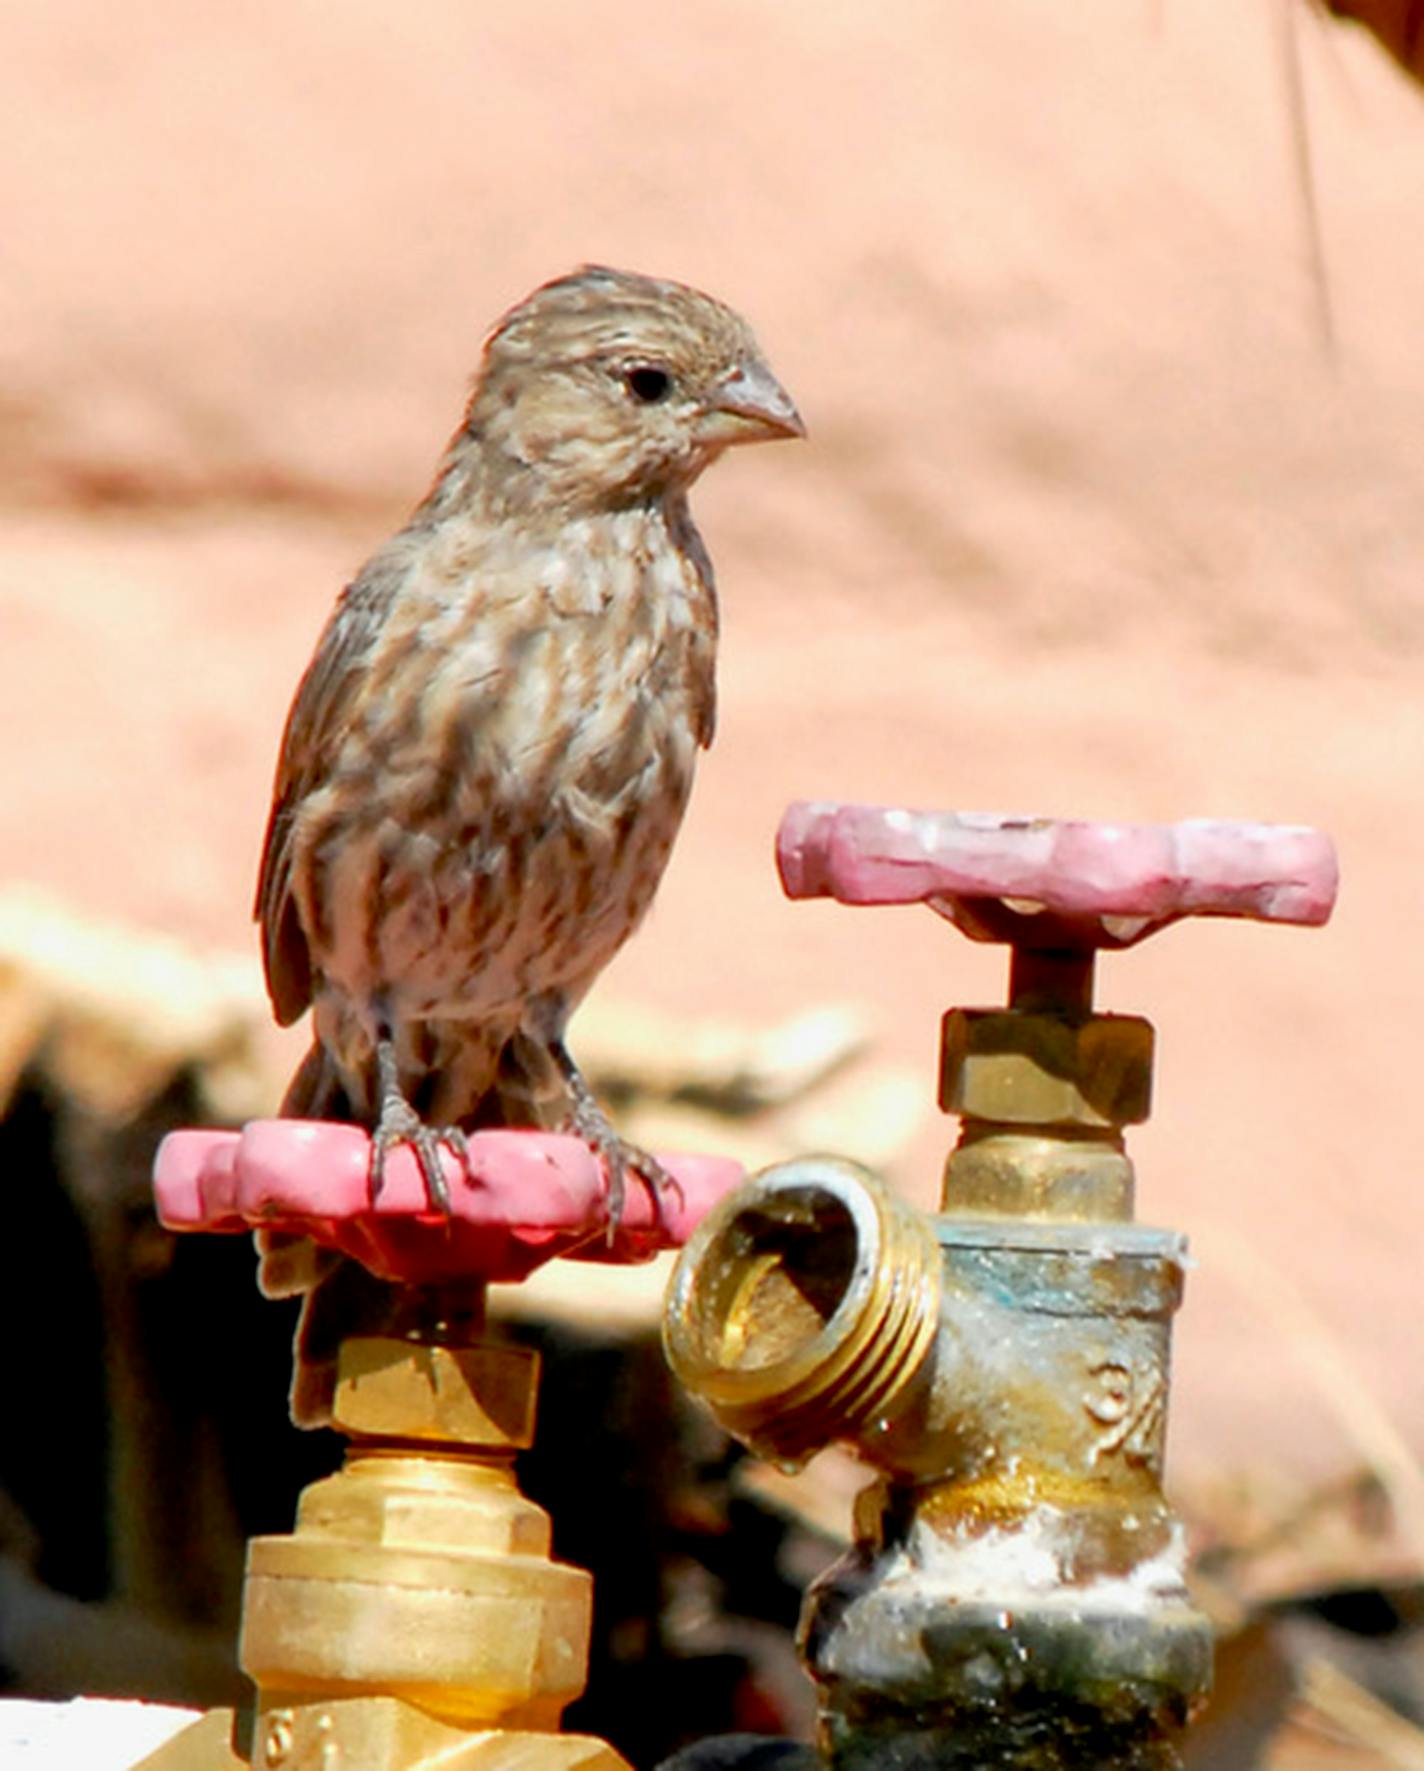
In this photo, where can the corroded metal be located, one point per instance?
(1015, 1594)
(1024, 1604)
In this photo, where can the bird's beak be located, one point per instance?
(751, 406)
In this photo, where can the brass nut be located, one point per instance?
(421, 1503)
(482, 1395)
(1017, 1068)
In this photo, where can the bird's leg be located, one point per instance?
(399, 1123)
(588, 1121)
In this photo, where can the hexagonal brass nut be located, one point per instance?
(482, 1395)
(1026, 1069)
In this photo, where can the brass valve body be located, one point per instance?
(418, 1570)
(414, 1618)
(1017, 1572)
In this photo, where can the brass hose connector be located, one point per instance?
(804, 1308)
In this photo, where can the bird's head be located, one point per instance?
(605, 386)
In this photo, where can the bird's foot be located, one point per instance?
(401, 1124)
(621, 1158)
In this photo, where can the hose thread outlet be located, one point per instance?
(804, 1306)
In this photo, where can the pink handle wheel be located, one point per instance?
(1042, 882)
(525, 1197)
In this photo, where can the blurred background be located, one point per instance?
(1112, 508)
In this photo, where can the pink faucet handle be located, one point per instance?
(521, 1198)
(1056, 883)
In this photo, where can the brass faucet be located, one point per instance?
(1015, 1593)
(415, 1616)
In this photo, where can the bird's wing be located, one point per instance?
(314, 727)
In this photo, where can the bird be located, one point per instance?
(489, 756)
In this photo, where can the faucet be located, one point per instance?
(416, 1617)
(1015, 1593)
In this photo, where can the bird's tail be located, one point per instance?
(292, 1266)
(339, 1297)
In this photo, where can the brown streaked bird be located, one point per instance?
(490, 754)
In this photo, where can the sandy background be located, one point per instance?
(1090, 522)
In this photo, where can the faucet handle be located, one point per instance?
(1045, 1086)
(1056, 885)
(518, 1199)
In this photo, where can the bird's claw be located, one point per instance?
(401, 1124)
(621, 1157)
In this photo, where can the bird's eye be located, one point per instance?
(647, 383)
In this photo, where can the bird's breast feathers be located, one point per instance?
(522, 807)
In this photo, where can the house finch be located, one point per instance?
(490, 753)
